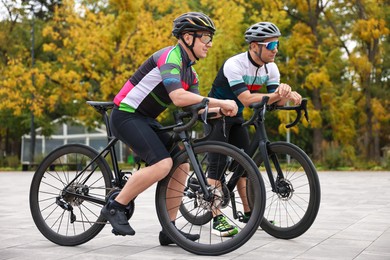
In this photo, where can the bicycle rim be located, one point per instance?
(292, 209)
(50, 203)
(209, 243)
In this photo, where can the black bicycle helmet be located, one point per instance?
(261, 31)
(192, 22)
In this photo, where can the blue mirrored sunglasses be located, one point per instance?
(270, 45)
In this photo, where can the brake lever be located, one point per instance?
(304, 108)
(203, 116)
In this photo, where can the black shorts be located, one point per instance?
(141, 134)
(232, 133)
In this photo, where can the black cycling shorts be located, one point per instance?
(233, 133)
(141, 134)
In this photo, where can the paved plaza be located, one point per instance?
(353, 223)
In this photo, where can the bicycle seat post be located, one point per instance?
(102, 108)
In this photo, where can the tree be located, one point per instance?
(347, 83)
(364, 21)
(370, 31)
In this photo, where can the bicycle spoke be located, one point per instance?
(291, 203)
(196, 211)
(69, 213)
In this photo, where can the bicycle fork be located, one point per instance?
(262, 140)
(197, 168)
(267, 160)
(202, 184)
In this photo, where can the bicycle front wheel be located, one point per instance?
(66, 196)
(293, 206)
(182, 187)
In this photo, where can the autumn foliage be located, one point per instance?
(335, 53)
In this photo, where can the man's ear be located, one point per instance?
(253, 45)
(187, 38)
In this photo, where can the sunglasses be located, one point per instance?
(204, 37)
(270, 45)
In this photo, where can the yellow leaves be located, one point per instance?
(66, 42)
(303, 6)
(341, 121)
(39, 78)
(50, 32)
(50, 47)
(124, 5)
(362, 65)
(18, 89)
(66, 77)
(52, 101)
(319, 79)
(301, 44)
(315, 117)
(371, 29)
(273, 12)
(380, 113)
(285, 118)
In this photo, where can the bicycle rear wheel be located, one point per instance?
(61, 216)
(292, 208)
(235, 163)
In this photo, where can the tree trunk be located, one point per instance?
(369, 148)
(317, 133)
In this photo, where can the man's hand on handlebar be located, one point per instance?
(283, 90)
(295, 97)
(229, 107)
(286, 94)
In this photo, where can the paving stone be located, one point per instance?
(353, 223)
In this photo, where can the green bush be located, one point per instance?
(2, 161)
(332, 158)
(338, 157)
(12, 161)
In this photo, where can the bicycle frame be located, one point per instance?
(67, 210)
(260, 141)
(109, 149)
(118, 175)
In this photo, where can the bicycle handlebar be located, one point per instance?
(261, 107)
(257, 106)
(298, 109)
(190, 111)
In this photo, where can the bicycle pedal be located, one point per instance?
(116, 233)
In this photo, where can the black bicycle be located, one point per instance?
(292, 185)
(75, 181)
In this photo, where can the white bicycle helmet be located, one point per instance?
(261, 31)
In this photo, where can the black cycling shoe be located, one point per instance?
(165, 240)
(118, 220)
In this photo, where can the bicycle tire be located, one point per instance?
(209, 244)
(53, 174)
(290, 212)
